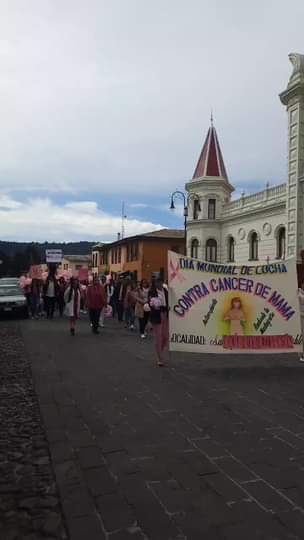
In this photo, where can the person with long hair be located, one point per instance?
(72, 297)
(60, 295)
(142, 310)
(158, 301)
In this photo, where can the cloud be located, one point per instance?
(40, 219)
(139, 205)
(117, 98)
(7, 203)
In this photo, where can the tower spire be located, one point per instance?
(211, 117)
(210, 162)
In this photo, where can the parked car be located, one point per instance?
(12, 300)
(9, 281)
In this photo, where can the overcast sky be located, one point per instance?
(104, 101)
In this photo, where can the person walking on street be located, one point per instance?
(35, 292)
(50, 291)
(130, 303)
(158, 301)
(119, 298)
(109, 287)
(142, 309)
(27, 292)
(96, 302)
(301, 305)
(60, 295)
(102, 313)
(72, 297)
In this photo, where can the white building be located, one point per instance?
(264, 226)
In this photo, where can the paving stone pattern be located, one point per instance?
(212, 448)
(29, 504)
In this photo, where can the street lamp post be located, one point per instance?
(185, 200)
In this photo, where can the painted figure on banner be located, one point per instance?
(236, 317)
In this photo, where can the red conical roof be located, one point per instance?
(211, 161)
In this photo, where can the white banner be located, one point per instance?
(219, 308)
(53, 255)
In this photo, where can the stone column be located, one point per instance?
(293, 98)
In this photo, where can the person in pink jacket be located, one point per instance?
(96, 300)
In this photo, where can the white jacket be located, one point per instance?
(69, 305)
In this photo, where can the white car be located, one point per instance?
(12, 300)
(9, 281)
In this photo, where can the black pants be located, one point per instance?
(94, 318)
(50, 306)
(113, 304)
(61, 304)
(120, 310)
(143, 322)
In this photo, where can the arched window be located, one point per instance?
(281, 243)
(211, 250)
(194, 248)
(253, 247)
(231, 244)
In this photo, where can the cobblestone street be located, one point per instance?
(29, 504)
(209, 449)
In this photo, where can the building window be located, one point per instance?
(119, 255)
(104, 257)
(132, 252)
(65, 267)
(194, 248)
(211, 208)
(196, 208)
(231, 244)
(253, 247)
(281, 243)
(211, 250)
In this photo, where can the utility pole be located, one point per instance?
(123, 218)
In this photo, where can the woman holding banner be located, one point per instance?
(301, 305)
(158, 302)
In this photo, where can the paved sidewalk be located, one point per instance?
(209, 449)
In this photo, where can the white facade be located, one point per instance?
(264, 226)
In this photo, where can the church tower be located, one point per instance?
(208, 190)
(293, 98)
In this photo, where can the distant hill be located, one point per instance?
(17, 257)
(10, 249)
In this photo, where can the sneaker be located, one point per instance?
(301, 359)
(143, 336)
(101, 325)
(132, 327)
